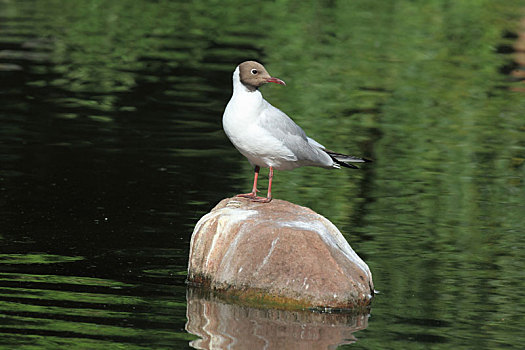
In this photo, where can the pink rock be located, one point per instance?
(222, 325)
(277, 253)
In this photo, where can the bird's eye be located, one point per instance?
(254, 71)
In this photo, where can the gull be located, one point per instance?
(266, 135)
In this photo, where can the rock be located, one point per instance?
(277, 253)
(222, 325)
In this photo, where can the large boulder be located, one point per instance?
(277, 253)
(223, 325)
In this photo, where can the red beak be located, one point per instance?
(275, 80)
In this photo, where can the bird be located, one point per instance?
(266, 136)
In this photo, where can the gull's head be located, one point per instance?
(253, 75)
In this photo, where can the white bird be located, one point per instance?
(266, 135)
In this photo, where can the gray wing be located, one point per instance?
(279, 124)
(283, 128)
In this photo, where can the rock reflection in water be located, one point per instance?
(221, 325)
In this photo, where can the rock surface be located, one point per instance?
(278, 253)
(222, 325)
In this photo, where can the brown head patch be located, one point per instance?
(253, 75)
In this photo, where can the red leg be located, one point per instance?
(253, 193)
(269, 195)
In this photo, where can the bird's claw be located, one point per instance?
(254, 198)
(250, 195)
(262, 199)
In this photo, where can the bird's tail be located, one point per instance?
(345, 160)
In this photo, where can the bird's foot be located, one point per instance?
(254, 198)
(250, 195)
(262, 199)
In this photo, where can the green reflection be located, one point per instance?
(413, 84)
(439, 214)
(74, 280)
(61, 309)
(36, 259)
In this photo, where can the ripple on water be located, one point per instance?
(44, 309)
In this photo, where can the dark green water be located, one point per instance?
(111, 148)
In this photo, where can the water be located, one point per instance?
(111, 149)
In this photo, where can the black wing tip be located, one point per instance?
(333, 154)
(346, 165)
(352, 166)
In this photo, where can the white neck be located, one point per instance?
(243, 105)
(237, 85)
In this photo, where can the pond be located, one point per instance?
(111, 149)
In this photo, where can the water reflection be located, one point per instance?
(111, 148)
(222, 325)
(52, 301)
